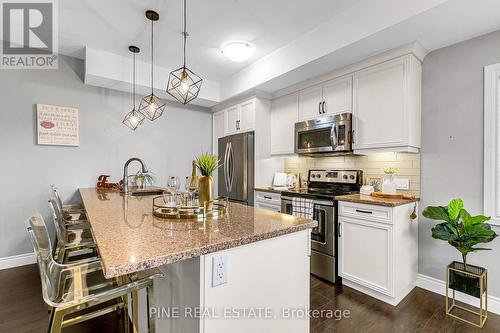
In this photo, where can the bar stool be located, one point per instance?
(71, 288)
(72, 214)
(69, 241)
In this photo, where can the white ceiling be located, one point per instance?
(295, 40)
(112, 25)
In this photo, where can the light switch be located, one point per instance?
(402, 183)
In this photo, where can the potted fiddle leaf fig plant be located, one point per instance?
(206, 164)
(464, 232)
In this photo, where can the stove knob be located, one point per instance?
(345, 177)
(318, 176)
(313, 175)
(352, 177)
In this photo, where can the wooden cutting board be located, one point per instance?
(392, 196)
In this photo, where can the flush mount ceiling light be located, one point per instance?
(133, 119)
(183, 84)
(238, 50)
(151, 106)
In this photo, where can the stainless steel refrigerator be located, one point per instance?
(236, 175)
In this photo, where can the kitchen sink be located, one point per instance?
(146, 192)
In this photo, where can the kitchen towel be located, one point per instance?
(302, 207)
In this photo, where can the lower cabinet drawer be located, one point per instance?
(271, 207)
(268, 198)
(363, 211)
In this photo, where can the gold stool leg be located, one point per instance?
(56, 322)
(135, 310)
(151, 319)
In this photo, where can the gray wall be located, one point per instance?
(452, 146)
(167, 146)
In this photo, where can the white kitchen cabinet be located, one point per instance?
(218, 132)
(268, 200)
(231, 118)
(386, 106)
(378, 249)
(284, 115)
(337, 95)
(310, 102)
(247, 116)
(370, 264)
(331, 97)
(240, 118)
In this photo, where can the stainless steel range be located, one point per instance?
(324, 186)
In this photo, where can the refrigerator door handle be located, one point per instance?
(226, 157)
(230, 166)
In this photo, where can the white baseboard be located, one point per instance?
(19, 260)
(439, 287)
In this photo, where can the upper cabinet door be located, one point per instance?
(218, 129)
(310, 103)
(284, 115)
(231, 119)
(247, 116)
(379, 106)
(337, 95)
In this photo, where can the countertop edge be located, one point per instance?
(196, 252)
(267, 190)
(369, 200)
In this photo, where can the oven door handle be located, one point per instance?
(334, 137)
(316, 202)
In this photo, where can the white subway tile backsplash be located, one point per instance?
(407, 166)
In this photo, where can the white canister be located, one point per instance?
(389, 185)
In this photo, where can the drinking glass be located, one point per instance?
(191, 187)
(173, 184)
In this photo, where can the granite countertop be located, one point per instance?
(130, 239)
(368, 199)
(268, 190)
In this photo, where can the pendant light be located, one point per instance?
(133, 118)
(183, 84)
(151, 106)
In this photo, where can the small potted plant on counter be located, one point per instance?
(463, 231)
(141, 179)
(206, 164)
(389, 186)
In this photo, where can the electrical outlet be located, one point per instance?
(402, 183)
(219, 270)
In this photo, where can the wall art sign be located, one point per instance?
(57, 125)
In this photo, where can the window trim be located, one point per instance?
(491, 132)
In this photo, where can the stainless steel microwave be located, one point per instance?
(326, 135)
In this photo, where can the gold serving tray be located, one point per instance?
(214, 209)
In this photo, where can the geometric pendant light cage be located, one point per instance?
(183, 84)
(151, 106)
(133, 118)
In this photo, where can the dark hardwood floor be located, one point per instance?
(23, 310)
(420, 311)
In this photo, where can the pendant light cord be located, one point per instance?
(185, 33)
(152, 55)
(133, 96)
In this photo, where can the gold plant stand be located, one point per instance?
(462, 278)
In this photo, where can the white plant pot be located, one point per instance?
(389, 186)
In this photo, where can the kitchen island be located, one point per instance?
(266, 258)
